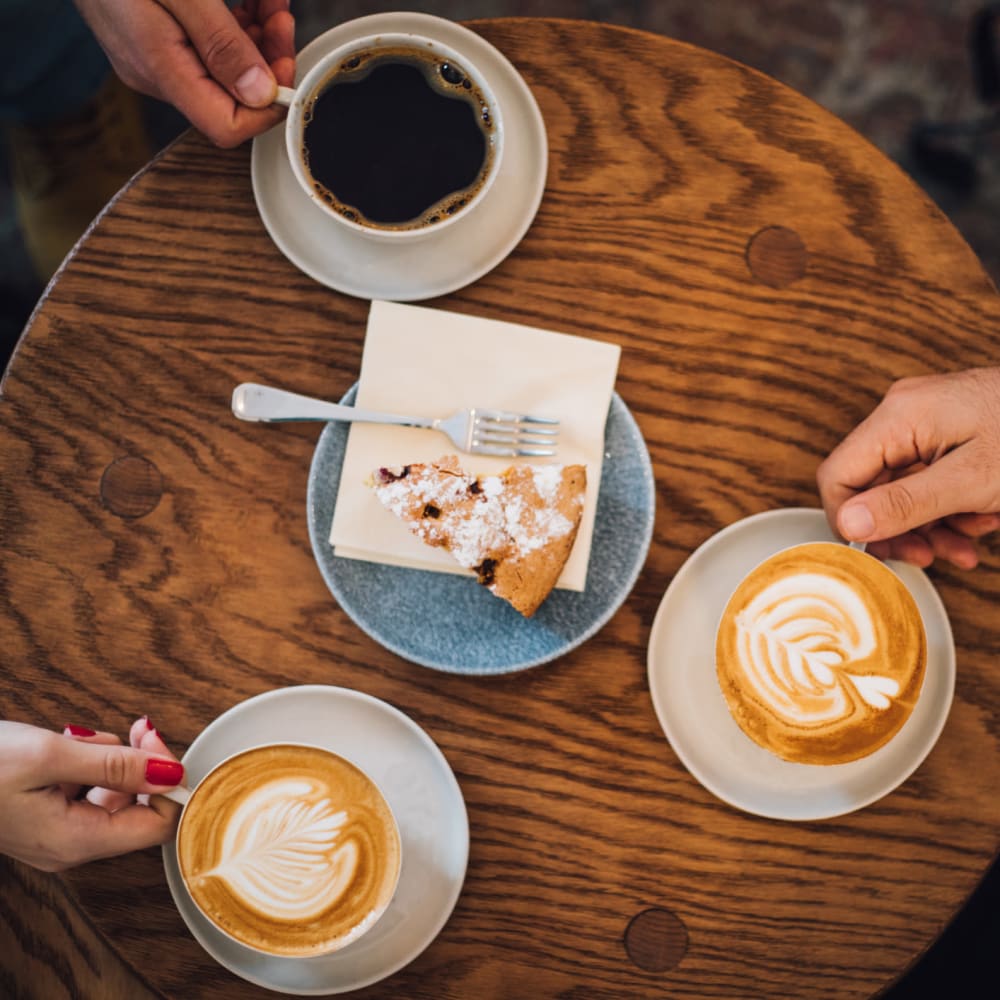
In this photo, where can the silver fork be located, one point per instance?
(476, 431)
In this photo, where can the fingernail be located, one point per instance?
(150, 728)
(256, 88)
(79, 731)
(164, 772)
(857, 522)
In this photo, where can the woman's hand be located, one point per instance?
(220, 68)
(919, 478)
(47, 821)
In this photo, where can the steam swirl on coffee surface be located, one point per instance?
(289, 849)
(821, 654)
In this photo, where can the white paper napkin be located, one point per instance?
(430, 362)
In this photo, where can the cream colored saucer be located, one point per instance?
(693, 712)
(420, 787)
(440, 264)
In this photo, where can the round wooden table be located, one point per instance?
(767, 273)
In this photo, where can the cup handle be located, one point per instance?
(180, 795)
(285, 96)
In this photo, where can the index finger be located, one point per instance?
(880, 443)
(120, 768)
(278, 38)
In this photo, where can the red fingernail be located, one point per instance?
(149, 725)
(164, 772)
(79, 731)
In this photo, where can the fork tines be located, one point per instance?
(498, 432)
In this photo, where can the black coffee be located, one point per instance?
(398, 139)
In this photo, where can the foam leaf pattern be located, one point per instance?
(797, 639)
(281, 853)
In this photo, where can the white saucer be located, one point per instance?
(419, 786)
(693, 712)
(437, 265)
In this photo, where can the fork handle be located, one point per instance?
(264, 403)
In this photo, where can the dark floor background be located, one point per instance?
(902, 73)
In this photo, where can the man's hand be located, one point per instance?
(920, 477)
(219, 68)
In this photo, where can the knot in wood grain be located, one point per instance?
(777, 256)
(131, 487)
(656, 939)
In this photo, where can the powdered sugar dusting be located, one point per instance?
(398, 495)
(477, 519)
(547, 480)
(530, 528)
(492, 486)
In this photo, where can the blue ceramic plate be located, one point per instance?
(452, 623)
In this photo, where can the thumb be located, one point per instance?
(120, 768)
(899, 506)
(226, 50)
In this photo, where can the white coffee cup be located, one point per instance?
(288, 849)
(821, 653)
(300, 100)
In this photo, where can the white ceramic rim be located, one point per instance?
(359, 929)
(314, 79)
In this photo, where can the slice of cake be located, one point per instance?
(515, 529)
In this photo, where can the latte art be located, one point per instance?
(289, 849)
(797, 639)
(280, 853)
(821, 654)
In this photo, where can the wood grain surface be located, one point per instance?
(767, 273)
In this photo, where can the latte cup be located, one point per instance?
(386, 164)
(290, 850)
(821, 654)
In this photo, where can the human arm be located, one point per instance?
(219, 68)
(43, 820)
(919, 478)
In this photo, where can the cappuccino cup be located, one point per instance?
(394, 135)
(290, 850)
(821, 654)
